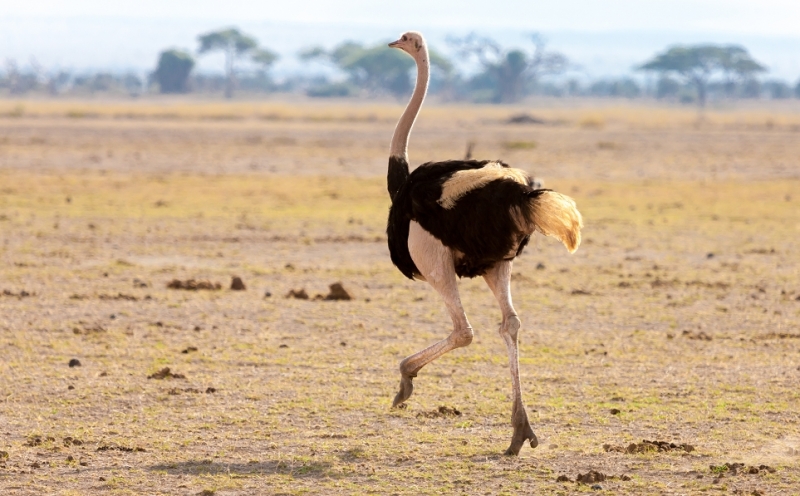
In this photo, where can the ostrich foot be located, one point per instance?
(406, 388)
(522, 432)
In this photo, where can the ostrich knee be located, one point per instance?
(510, 327)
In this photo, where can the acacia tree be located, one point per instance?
(234, 44)
(510, 70)
(377, 69)
(698, 63)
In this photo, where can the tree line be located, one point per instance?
(681, 73)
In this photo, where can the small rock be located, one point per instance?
(709, 255)
(563, 478)
(267, 294)
(237, 284)
(540, 266)
(614, 411)
(74, 363)
(101, 479)
(210, 390)
(189, 349)
(597, 487)
(283, 346)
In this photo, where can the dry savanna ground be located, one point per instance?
(676, 322)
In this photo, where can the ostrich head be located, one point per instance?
(411, 42)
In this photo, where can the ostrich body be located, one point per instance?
(466, 218)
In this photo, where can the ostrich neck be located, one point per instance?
(401, 132)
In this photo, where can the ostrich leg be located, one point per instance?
(435, 262)
(499, 281)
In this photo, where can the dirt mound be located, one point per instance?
(194, 285)
(337, 292)
(165, 373)
(648, 446)
(299, 294)
(237, 284)
(442, 411)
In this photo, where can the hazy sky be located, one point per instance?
(765, 17)
(602, 35)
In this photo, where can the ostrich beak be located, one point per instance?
(395, 44)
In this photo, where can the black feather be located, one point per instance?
(480, 225)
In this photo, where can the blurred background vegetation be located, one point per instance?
(684, 74)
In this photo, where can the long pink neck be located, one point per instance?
(401, 132)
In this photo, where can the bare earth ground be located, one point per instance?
(675, 322)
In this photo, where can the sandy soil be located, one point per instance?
(676, 322)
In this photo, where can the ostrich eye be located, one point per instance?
(404, 38)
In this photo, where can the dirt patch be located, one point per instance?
(88, 328)
(71, 441)
(779, 335)
(118, 297)
(697, 336)
(165, 373)
(124, 449)
(20, 295)
(648, 446)
(194, 285)
(740, 469)
(442, 411)
(592, 477)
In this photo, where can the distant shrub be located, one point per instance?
(172, 72)
(332, 90)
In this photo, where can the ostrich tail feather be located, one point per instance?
(556, 215)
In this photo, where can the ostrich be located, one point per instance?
(466, 218)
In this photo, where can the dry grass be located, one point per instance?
(688, 348)
(634, 114)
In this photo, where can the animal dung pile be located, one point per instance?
(299, 294)
(20, 295)
(194, 285)
(647, 446)
(237, 284)
(336, 293)
(442, 411)
(165, 373)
